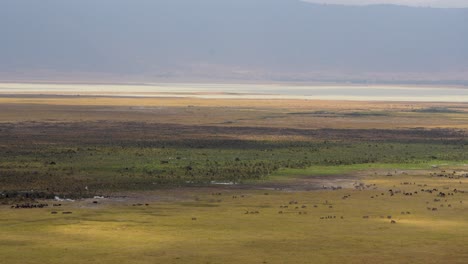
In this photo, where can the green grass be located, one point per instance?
(288, 173)
(68, 169)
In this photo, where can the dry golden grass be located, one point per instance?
(251, 103)
(164, 232)
(302, 114)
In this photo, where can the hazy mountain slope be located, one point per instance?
(223, 39)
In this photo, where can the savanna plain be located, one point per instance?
(102, 179)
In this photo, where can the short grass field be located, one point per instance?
(181, 180)
(229, 225)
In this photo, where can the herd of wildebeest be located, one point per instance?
(437, 198)
(38, 205)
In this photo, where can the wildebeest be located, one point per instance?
(28, 206)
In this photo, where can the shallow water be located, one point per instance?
(250, 91)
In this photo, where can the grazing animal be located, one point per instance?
(28, 206)
(393, 222)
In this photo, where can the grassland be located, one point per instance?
(165, 232)
(174, 153)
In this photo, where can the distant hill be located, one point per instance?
(225, 40)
